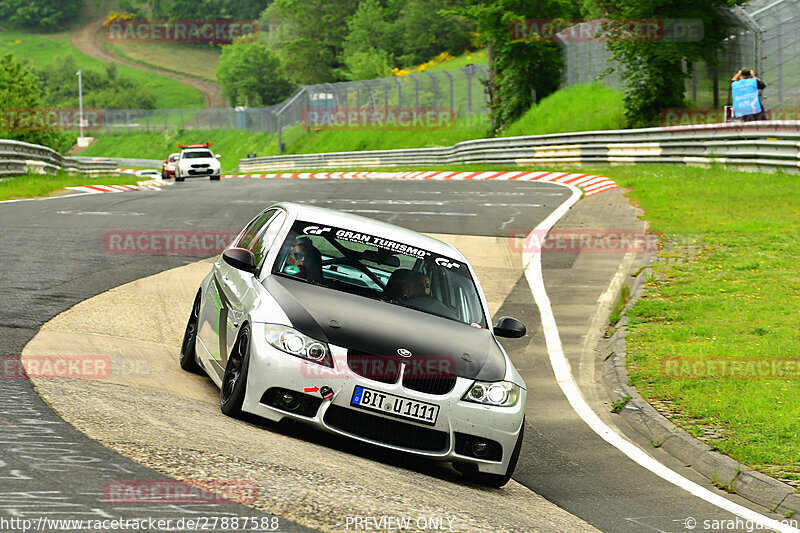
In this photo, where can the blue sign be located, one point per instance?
(357, 393)
(745, 97)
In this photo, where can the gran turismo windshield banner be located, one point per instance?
(388, 245)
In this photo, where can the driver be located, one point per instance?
(306, 258)
(416, 284)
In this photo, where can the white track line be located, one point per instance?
(533, 273)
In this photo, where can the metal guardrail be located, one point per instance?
(768, 145)
(126, 162)
(18, 158)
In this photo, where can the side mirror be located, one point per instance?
(509, 327)
(240, 259)
(217, 156)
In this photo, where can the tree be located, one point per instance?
(248, 73)
(364, 53)
(308, 36)
(520, 72)
(654, 73)
(244, 9)
(39, 14)
(20, 91)
(207, 9)
(422, 31)
(103, 89)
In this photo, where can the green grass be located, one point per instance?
(578, 108)
(727, 288)
(37, 185)
(478, 57)
(198, 61)
(622, 301)
(298, 141)
(236, 144)
(46, 50)
(232, 145)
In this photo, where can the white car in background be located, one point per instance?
(148, 173)
(197, 160)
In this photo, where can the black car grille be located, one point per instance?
(429, 376)
(374, 367)
(391, 432)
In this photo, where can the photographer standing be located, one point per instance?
(746, 93)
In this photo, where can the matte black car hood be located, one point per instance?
(375, 327)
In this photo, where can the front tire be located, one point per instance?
(234, 380)
(470, 470)
(214, 178)
(188, 353)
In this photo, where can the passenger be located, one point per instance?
(415, 285)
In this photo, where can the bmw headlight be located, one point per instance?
(293, 342)
(497, 393)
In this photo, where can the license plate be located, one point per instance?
(389, 404)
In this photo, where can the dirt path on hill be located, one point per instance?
(89, 40)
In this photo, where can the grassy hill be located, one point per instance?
(583, 107)
(50, 49)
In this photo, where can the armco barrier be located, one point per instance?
(766, 146)
(127, 162)
(19, 157)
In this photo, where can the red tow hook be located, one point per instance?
(326, 393)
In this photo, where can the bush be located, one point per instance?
(20, 89)
(106, 90)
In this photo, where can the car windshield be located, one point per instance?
(197, 155)
(382, 269)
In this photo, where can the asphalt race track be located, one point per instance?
(54, 258)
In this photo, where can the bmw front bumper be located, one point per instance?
(273, 373)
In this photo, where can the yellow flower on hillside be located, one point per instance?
(17, 42)
(114, 16)
(444, 56)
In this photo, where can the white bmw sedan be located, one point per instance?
(362, 329)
